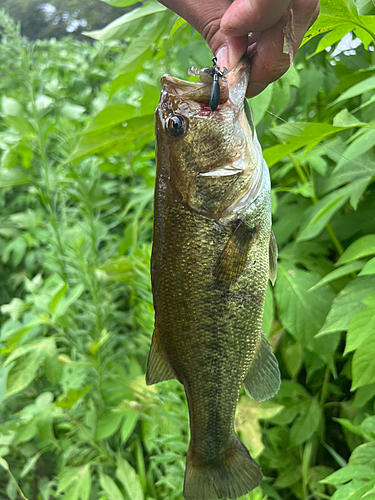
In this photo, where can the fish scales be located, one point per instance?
(210, 267)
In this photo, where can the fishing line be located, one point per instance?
(323, 145)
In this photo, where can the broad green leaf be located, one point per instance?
(301, 313)
(114, 30)
(108, 425)
(339, 273)
(143, 42)
(356, 429)
(70, 298)
(13, 177)
(364, 454)
(296, 135)
(28, 359)
(322, 212)
(111, 488)
(128, 426)
(113, 114)
(110, 140)
(333, 15)
(349, 472)
(10, 106)
(353, 490)
(180, 21)
(360, 248)
(333, 37)
(368, 268)
(363, 143)
(363, 365)
(260, 103)
(358, 89)
(346, 304)
(293, 358)
(129, 478)
(306, 423)
(362, 326)
(120, 3)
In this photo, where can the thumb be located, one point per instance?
(205, 17)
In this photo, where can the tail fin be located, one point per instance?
(232, 476)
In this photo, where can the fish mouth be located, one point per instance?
(232, 91)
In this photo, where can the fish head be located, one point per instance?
(209, 159)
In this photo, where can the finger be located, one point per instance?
(205, 17)
(244, 16)
(269, 62)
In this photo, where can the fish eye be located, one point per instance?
(176, 125)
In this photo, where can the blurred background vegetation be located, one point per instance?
(76, 186)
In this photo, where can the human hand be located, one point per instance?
(225, 27)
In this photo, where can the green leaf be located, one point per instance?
(362, 326)
(129, 478)
(110, 487)
(180, 21)
(363, 365)
(116, 139)
(333, 15)
(29, 358)
(322, 212)
(363, 143)
(368, 268)
(114, 30)
(358, 89)
(13, 177)
(347, 303)
(364, 454)
(333, 37)
(353, 490)
(349, 472)
(108, 425)
(301, 313)
(360, 248)
(306, 423)
(128, 426)
(260, 104)
(120, 3)
(71, 297)
(10, 106)
(297, 135)
(339, 273)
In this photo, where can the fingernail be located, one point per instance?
(222, 57)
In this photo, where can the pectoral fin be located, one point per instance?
(263, 379)
(232, 260)
(273, 258)
(157, 367)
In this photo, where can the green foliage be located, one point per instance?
(77, 167)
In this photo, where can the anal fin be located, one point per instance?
(263, 378)
(273, 258)
(158, 368)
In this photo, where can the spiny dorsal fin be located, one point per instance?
(232, 260)
(273, 258)
(263, 378)
(158, 368)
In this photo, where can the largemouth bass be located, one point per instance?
(213, 252)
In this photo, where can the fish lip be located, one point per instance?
(197, 92)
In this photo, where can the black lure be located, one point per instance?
(215, 89)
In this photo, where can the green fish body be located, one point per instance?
(213, 253)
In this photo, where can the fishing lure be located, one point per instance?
(208, 75)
